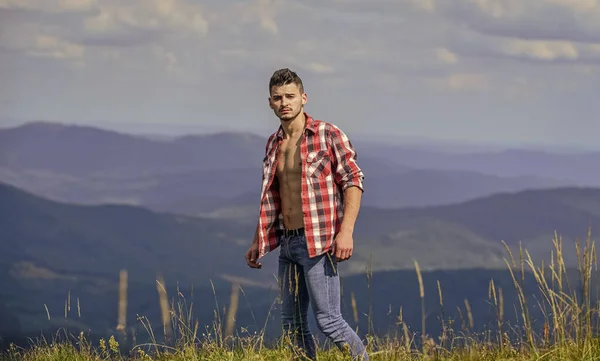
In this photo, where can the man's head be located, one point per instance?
(286, 94)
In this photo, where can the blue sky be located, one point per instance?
(502, 71)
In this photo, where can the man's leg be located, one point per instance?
(323, 286)
(294, 307)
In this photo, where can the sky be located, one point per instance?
(496, 71)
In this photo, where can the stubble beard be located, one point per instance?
(289, 116)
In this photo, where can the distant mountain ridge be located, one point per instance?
(527, 216)
(49, 249)
(83, 151)
(126, 202)
(56, 146)
(200, 174)
(581, 168)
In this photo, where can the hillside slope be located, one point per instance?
(50, 250)
(197, 174)
(527, 217)
(101, 240)
(77, 151)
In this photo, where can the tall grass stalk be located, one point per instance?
(570, 310)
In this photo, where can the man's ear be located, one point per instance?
(269, 100)
(304, 98)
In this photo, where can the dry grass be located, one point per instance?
(569, 331)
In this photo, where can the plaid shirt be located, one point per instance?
(328, 168)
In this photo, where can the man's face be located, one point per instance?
(287, 101)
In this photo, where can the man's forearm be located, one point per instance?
(352, 198)
(255, 240)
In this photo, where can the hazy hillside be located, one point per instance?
(189, 192)
(529, 217)
(196, 192)
(582, 168)
(410, 188)
(40, 231)
(101, 240)
(83, 151)
(509, 216)
(427, 187)
(207, 174)
(49, 249)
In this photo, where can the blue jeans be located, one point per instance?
(305, 280)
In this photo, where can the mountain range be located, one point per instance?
(80, 204)
(49, 249)
(198, 174)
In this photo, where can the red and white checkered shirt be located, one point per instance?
(329, 167)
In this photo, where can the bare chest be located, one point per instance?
(289, 158)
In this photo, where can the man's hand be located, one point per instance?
(344, 243)
(252, 256)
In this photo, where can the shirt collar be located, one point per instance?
(310, 125)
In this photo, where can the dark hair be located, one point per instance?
(285, 76)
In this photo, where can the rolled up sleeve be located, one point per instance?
(347, 172)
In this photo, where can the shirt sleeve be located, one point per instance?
(347, 173)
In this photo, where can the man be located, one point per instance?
(310, 198)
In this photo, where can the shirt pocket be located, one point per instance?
(318, 164)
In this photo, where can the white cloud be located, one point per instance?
(110, 15)
(248, 16)
(155, 16)
(372, 6)
(108, 30)
(569, 20)
(50, 46)
(540, 50)
(446, 56)
(50, 6)
(37, 41)
(461, 81)
(319, 68)
(169, 59)
(482, 61)
(428, 5)
(261, 12)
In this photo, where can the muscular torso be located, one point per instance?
(289, 173)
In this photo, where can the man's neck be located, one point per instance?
(293, 128)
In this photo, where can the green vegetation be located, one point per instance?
(569, 329)
(54, 253)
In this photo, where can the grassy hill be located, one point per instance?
(50, 248)
(112, 237)
(439, 237)
(100, 240)
(53, 253)
(450, 315)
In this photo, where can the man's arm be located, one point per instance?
(350, 177)
(252, 253)
(352, 198)
(347, 173)
(344, 240)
